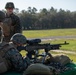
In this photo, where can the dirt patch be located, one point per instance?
(63, 51)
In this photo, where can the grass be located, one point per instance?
(54, 32)
(71, 46)
(48, 33)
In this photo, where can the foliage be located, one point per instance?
(47, 19)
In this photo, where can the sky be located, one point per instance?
(40, 4)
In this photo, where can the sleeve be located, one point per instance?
(18, 27)
(19, 64)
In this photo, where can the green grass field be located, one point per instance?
(71, 46)
(55, 32)
(48, 33)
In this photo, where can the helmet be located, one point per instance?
(18, 38)
(9, 5)
(2, 16)
(37, 69)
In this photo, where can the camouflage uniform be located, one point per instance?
(14, 56)
(2, 18)
(16, 59)
(11, 54)
(15, 24)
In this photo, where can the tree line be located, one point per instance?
(46, 19)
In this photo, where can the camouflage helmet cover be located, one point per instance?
(9, 5)
(18, 38)
(2, 16)
(37, 69)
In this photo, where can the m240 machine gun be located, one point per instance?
(33, 46)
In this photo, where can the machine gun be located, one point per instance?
(33, 46)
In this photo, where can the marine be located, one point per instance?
(12, 21)
(13, 58)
